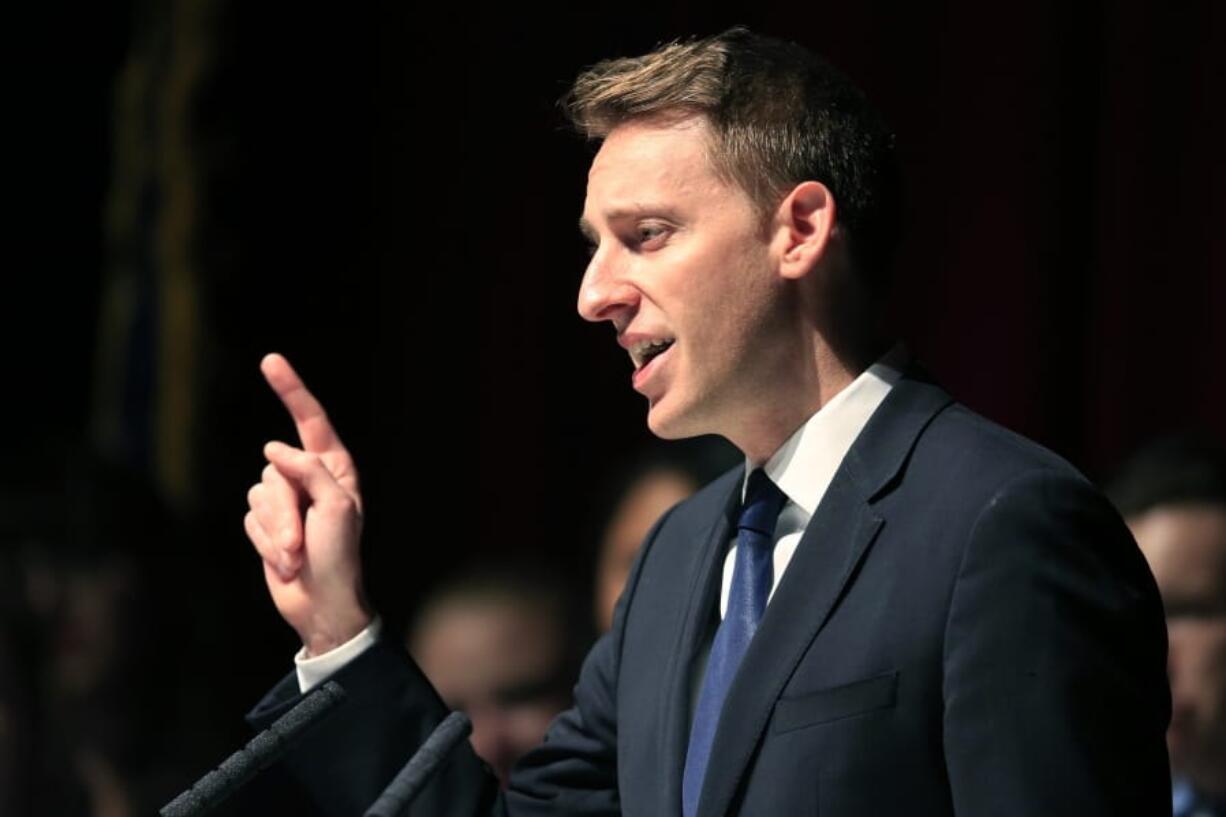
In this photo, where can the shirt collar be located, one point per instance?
(806, 463)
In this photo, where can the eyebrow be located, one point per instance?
(589, 231)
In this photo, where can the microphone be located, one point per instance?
(261, 752)
(410, 780)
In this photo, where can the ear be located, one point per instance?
(804, 226)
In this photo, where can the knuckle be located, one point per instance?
(341, 504)
(252, 526)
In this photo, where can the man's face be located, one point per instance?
(1185, 546)
(684, 269)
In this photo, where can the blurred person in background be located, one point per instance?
(1172, 494)
(660, 477)
(499, 643)
(85, 715)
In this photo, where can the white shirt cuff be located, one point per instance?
(315, 670)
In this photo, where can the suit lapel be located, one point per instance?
(837, 540)
(706, 570)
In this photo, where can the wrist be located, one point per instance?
(326, 635)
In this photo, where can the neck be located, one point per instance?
(775, 416)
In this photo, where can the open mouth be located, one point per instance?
(643, 353)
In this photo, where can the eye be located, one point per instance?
(651, 233)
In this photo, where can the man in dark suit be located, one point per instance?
(895, 607)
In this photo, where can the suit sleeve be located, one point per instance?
(344, 763)
(1056, 699)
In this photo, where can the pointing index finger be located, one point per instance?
(314, 429)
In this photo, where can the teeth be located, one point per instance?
(642, 352)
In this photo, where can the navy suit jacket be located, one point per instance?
(966, 628)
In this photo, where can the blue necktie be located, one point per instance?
(751, 584)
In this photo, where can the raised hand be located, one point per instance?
(305, 520)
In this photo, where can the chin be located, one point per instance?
(672, 422)
(662, 423)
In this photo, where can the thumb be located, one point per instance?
(306, 469)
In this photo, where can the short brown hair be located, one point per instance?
(779, 115)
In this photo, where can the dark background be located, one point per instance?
(389, 197)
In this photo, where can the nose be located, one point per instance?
(605, 292)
